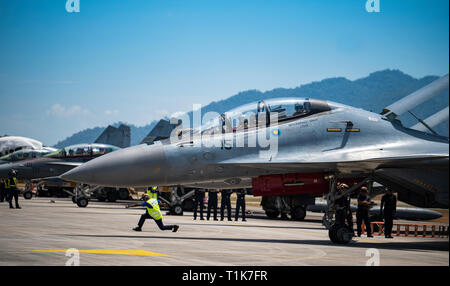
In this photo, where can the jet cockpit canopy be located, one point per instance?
(25, 154)
(264, 113)
(83, 150)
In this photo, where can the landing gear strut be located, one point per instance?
(176, 202)
(339, 233)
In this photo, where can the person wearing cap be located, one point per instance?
(152, 212)
(389, 202)
(362, 214)
(13, 192)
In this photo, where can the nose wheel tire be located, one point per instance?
(340, 234)
(298, 213)
(177, 210)
(27, 195)
(82, 202)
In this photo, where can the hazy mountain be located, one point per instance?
(373, 92)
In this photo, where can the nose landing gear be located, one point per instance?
(338, 232)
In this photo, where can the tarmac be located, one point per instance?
(45, 228)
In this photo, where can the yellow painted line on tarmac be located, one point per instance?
(106, 251)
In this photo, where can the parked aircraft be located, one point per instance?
(9, 144)
(302, 145)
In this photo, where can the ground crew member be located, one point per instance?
(225, 203)
(362, 214)
(240, 203)
(346, 204)
(341, 205)
(389, 202)
(153, 212)
(2, 191)
(13, 192)
(152, 192)
(198, 201)
(212, 204)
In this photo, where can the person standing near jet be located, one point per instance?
(362, 213)
(153, 212)
(225, 202)
(389, 202)
(347, 208)
(343, 206)
(198, 201)
(12, 190)
(2, 191)
(240, 203)
(212, 204)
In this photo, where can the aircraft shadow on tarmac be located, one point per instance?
(416, 246)
(257, 226)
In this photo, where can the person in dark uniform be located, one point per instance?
(198, 201)
(2, 191)
(362, 214)
(212, 204)
(225, 202)
(13, 192)
(389, 202)
(348, 209)
(240, 203)
(343, 210)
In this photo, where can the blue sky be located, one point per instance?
(136, 61)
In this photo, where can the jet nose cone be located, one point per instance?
(134, 166)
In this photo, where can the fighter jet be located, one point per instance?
(292, 146)
(9, 144)
(25, 154)
(45, 167)
(55, 163)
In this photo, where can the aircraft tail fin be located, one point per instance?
(416, 98)
(120, 136)
(161, 131)
(432, 121)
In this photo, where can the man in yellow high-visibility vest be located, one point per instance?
(153, 212)
(12, 190)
